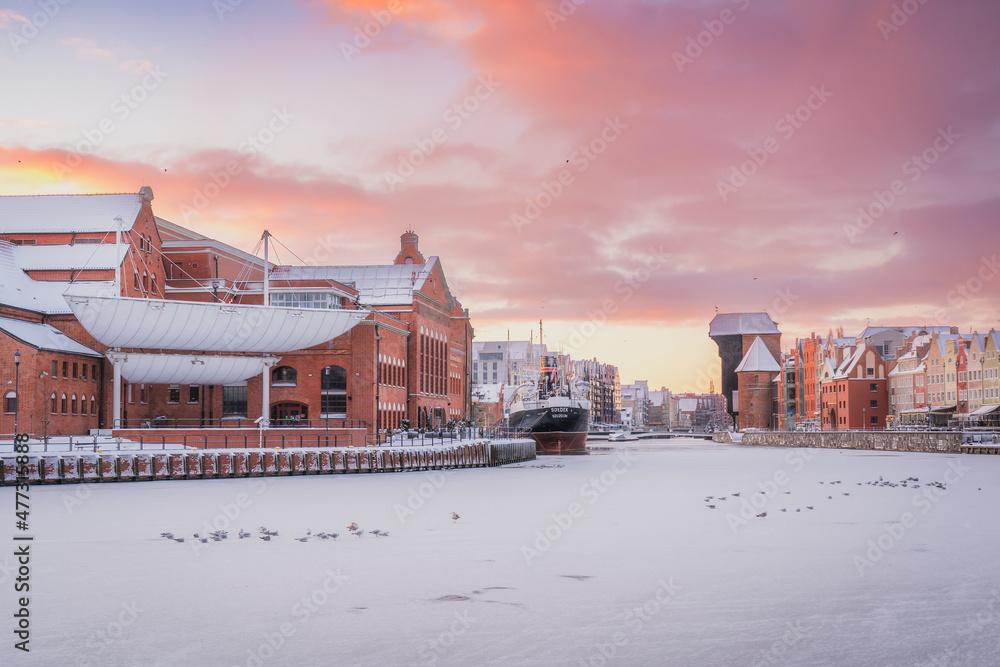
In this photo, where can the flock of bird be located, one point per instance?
(909, 482)
(266, 534)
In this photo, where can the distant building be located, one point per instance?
(605, 390)
(756, 375)
(635, 399)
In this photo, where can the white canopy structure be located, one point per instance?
(143, 368)
(158, 324)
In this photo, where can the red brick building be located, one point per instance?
(855, 393)
(756, 375)
(408, 359)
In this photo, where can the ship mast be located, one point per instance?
(267, 301)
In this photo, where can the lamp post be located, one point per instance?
(864, 418)
(17, 390)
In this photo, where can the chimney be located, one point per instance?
(408, 252)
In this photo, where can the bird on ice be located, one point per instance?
(353, 526)
(375, 532)
(735, 495)
(455, 516)
(302, 539)
(243, 534)
(266, 538)
(384, 533)
(711, 507)
(762, 515)
(809, 507)
(178, 539)
(334, 535)
(169, 536)
(359, 532)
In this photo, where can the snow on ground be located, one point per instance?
(612, 558)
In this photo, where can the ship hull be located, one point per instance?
(555, 430)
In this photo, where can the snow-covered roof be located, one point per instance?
(70, 257)
(728, 324)
(486, 393)
(44, 337)
(687, 404)
(906, 331)
(850, 362)
(51, 214)
(758, 358)
(378, 285)
(18, 290)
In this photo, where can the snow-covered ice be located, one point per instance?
(612, 558)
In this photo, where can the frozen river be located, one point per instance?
(612, 558)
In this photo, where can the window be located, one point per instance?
(83, 371)
(193, 393)
(72, 404)
(135, 281)
(63, 405)
(55, 369)
(872, 387)
(93, 372)
(174, 394)
(65, 370)
(128, 393)
(305, 299)
(284, 376)
(874, 403)
(142, 394)
(874, 421)
(10, 403)
(93, 406)
(234, 401)
(333, 392)
(55, 404)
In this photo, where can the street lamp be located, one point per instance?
(864, 418)
(17, 391)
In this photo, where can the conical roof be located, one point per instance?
(758, 359)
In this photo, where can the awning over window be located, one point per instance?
(122, 322)
(139, 368)
(985, 410)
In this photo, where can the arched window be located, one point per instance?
(93, 406)
(283, 376)
(333, 392)
(72, 404)
(55, 404)
(10, 403)
(64, 406)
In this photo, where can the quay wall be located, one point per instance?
(137, 466)
(896, 441)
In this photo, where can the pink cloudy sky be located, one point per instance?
(631, 139)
